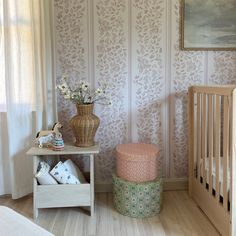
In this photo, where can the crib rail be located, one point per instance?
(210, 112)
(212, 149)
(214, 90)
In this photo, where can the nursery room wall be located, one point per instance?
(133, 45)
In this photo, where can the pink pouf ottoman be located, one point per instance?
(136, 162)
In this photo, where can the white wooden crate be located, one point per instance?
(62, 195)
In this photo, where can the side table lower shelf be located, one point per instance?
(61, 195)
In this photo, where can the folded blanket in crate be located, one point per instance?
(44, 166)
(61, 173)
(43, 176)
(74, 170)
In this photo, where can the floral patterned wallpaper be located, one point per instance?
(187, 69)
(110, 45)
(148, 79)
(71, 54)
(133, 45)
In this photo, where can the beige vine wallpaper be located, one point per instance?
(133, 45)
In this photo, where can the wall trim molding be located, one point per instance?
(168, 57)
(170, 184)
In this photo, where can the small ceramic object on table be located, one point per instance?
(45, 140)
(58, 143)
(55, 130)
(45, 137)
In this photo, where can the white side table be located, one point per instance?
(63, 195)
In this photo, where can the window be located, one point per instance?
(17, 71)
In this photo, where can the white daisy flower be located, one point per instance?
(84, 86)
(73, 95)
(98, 91)
(63, 87)
(67, 96)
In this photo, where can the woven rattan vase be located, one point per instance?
(84, 125)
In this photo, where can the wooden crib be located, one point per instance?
(212, 154)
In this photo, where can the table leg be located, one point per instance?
(36, 211)
(92, 184)
(35, 166)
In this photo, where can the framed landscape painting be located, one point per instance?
(208, 25)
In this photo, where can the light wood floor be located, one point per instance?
(179, 216)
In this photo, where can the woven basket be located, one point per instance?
(137, 162)
(137, 200)
(84, 125)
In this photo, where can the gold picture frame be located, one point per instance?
(203, 29)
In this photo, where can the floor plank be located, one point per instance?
(179, 216)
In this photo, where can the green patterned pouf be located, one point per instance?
(137, 200)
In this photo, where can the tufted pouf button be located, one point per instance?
(137, 162)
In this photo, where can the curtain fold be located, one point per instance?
(27, 100)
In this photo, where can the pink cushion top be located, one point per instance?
(137, 151)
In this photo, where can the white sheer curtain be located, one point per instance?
(27, 89)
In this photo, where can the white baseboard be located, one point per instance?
(175, 184)
(170, 184)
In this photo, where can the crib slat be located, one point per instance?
(195, 134)
(204, 153)
(210, 138)
(217, 145)
(198, 136)
(225, 152)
